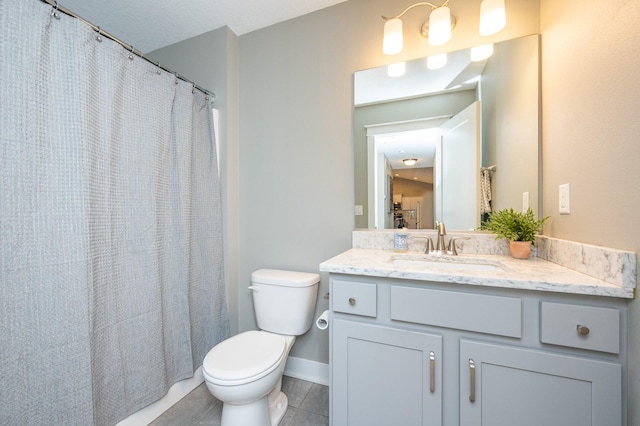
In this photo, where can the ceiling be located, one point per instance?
(151, 24)
(418, 144)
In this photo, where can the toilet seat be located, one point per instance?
(244, 358)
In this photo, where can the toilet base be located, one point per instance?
(267, 411)
(277, 408)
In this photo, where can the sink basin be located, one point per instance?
(449, 263)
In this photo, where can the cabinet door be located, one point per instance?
(383, 376)
(506, 386)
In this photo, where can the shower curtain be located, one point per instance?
(111, 279)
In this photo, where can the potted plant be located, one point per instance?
(518, 227)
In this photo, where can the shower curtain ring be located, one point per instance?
(158, 68)
(193, 89)
(131, 53)
(54, 12)
(99, 36)
(176, 75)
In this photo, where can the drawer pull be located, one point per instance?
(352, 301)
(472, 380)
(432, 371)
(583, 330)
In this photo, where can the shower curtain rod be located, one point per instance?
(57, 8)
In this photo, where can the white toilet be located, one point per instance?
(245, 371)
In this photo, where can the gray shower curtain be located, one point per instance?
(111, 279)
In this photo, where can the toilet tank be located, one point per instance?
(284, 301)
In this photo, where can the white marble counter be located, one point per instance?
(531, 274)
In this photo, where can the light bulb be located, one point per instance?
(439, 26)
(493, 17)
(392, 41)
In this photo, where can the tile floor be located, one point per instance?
(308, 406)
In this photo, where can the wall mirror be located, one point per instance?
(455, 121)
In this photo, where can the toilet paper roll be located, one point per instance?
(323, 321)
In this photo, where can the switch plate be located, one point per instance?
(564, 199)
(525, 202)
(358, 210)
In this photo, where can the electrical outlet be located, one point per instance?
(525, 201)
(358, 210)
(564, 199)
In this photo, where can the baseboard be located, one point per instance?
(176, 392)
(311, 371)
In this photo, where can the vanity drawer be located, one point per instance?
(354, 298)
(577, 326)
(463, 311)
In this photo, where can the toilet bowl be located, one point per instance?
(245, 371)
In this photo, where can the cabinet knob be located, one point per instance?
(583, 330)
(352, 301)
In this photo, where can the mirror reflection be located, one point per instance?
(471, 126)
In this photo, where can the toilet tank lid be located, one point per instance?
(284, 278)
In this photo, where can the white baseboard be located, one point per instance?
(176, 392)
(311, 371)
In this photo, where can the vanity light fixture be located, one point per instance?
(440, 23)
(410, 161)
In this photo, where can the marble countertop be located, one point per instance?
(531, 274)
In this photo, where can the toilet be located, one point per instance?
(245, 371)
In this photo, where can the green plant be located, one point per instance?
(514, 225)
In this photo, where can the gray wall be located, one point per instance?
(296, 150)
(295, 154)
(590, 133)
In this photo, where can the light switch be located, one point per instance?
(525, 202)
(564, 199)
(358, 210)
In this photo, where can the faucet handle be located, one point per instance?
(452, 245)
(429, 243)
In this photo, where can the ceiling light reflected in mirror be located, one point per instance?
(409, 162)
(481, 53)
(435, 62)
(397, 69)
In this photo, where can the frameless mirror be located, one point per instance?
(472, 126)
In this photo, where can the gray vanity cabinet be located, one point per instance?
(505, 386)
(385, 376)
(409, 352)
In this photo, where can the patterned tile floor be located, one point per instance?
(308, 406)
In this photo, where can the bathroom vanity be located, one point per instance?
(479, 339)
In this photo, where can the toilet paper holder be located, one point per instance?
(323, 320)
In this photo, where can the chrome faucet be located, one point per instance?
(440, 245)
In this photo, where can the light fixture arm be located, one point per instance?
(422, 3)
